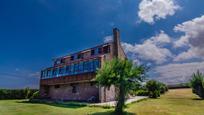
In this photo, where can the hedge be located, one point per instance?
(16, 93)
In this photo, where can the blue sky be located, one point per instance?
(32, 32)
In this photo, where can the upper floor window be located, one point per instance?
(99, 50)
(72, 58)
(80, 56)
(106, 49)
(62, 60)
(92, 52)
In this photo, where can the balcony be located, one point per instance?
(72, 69)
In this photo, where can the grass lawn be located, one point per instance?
(175, 102)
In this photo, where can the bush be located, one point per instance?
(35, 95)
(14, 93)
(197, 84)
(142, 92)
(153, 88)
(163, 88)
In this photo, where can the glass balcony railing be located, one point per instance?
(73, 69)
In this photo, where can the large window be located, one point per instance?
(61, 70)
(54, 72)
(49, 73)
(77, 68)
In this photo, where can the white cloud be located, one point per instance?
(177, 73)
(151, 10)
(151, 49)
(108, 39)
(193, 38)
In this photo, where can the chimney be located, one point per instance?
(116, 41)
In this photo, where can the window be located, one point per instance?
(57, 86)
(74, 89)
(49, 73)
(72, 69)
(106, 49)
(61, 70)
(80, 56)
(72, 58)
(96, 64)
(99, 50)
(92, 83)
(54, 72)
(92, 52)
(81, 67)
(76, 68)
(90, 65)
(85, 66)
(67, 70)
(62, 60)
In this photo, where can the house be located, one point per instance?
(72, 77)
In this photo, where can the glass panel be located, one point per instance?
(82, 67)
(61, 70)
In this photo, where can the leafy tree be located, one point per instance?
(197, 84)
(123, 75)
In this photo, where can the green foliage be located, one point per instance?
(14, 93)
(35, 95)
(27, 92)
(123, 75)
(163, 88)
(197, 84)
(142, 92)
(155, 88)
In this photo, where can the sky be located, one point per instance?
(166, 35)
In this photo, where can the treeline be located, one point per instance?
(17, 93)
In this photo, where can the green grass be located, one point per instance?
(175, 102)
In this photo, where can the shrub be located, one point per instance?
(163, 88)
(28, 93)
(153, 88)
(197, 84)
(142, 92)
(14, 93)
(35, 95)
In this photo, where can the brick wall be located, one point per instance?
(84, 91)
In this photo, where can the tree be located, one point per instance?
(197, 84)
(123, 75)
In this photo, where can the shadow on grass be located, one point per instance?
(198, 99)
(112, 113)
(57, 104)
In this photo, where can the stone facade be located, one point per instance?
(82, 86)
